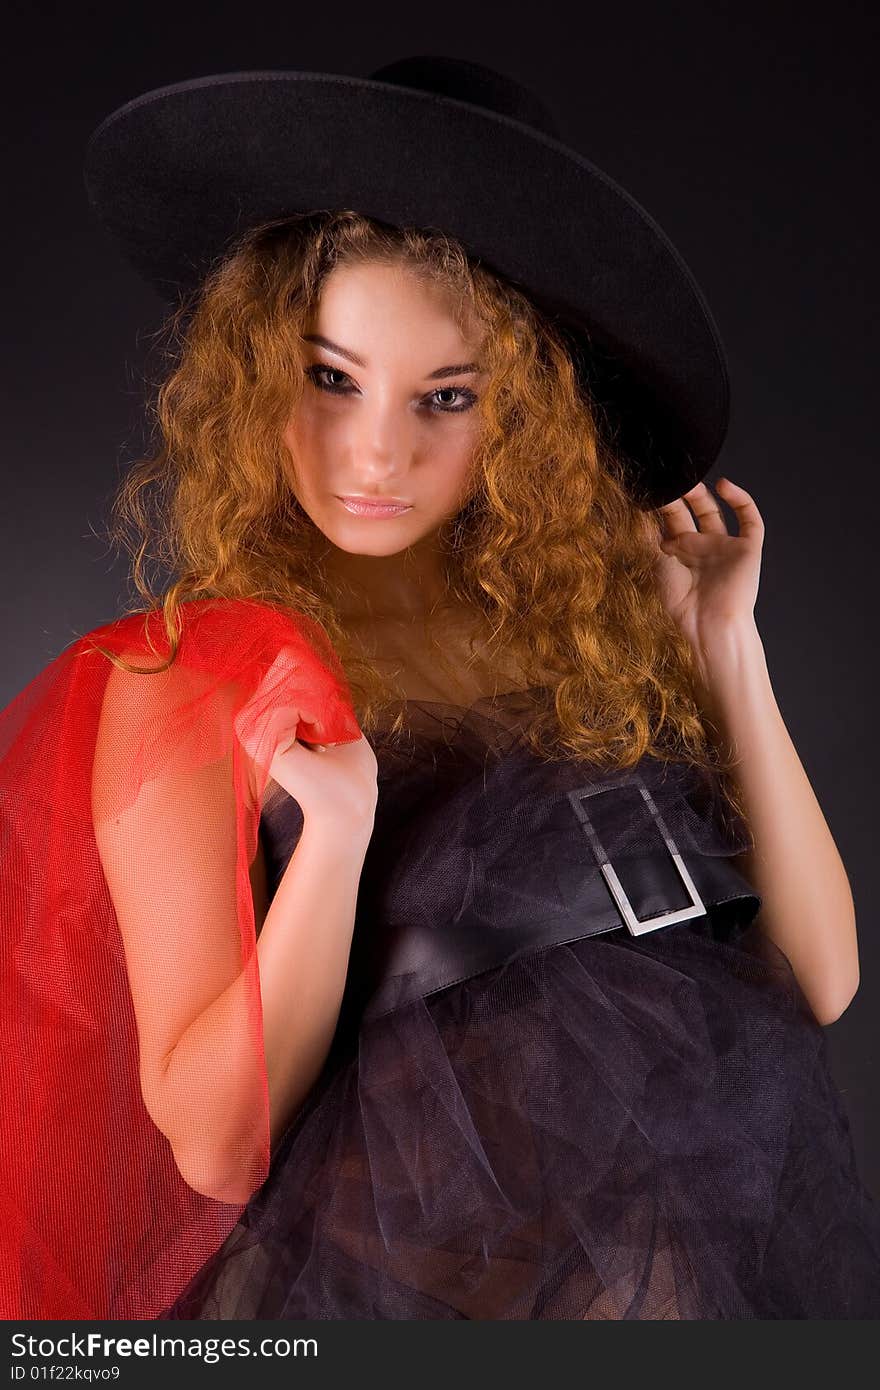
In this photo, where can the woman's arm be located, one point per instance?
(303, 950)
(170, 861)
(795, 865)
(708, 583)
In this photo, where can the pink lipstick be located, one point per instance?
(365, 506)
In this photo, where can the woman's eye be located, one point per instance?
(314, 373)
(467, 397)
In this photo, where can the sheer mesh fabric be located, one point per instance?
(611, 1126)
(614, 1127)
(113, 1193)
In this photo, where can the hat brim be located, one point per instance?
(176, 174)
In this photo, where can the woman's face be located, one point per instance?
(399, 422)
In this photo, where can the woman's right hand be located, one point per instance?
(334, 784)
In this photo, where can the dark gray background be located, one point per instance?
(748, 130)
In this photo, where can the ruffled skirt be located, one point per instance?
(613, 1128)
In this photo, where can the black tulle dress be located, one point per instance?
(533, 1109)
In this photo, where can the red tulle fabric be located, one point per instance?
(96, 1217)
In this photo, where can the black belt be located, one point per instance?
(641, 893)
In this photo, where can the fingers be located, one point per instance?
(703, 514)
(748, 518)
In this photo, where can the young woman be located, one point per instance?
(474, 923)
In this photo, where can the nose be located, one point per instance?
(382, 441)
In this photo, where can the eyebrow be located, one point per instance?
(456, 369)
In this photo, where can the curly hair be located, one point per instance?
(550, 549)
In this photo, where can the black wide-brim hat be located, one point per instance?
(177, 174)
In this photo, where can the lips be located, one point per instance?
(364, 506)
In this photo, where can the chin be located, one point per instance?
(363, 536)
(373, 545)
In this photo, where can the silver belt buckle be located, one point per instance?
(695, 908)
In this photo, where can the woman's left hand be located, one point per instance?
(708, 577)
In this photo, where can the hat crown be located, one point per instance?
(472, 82)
